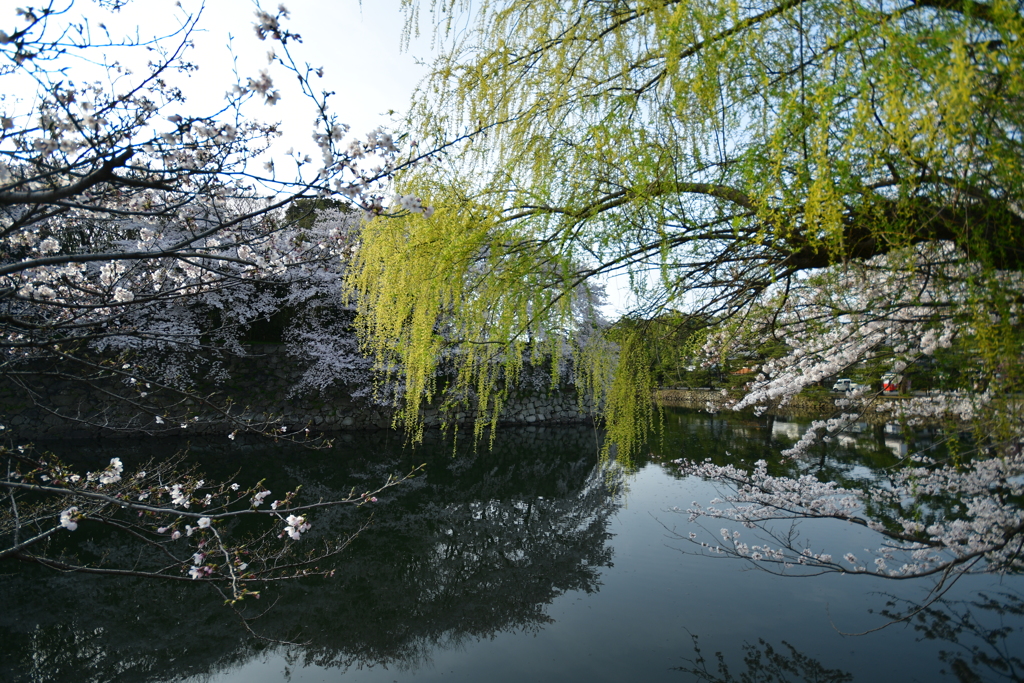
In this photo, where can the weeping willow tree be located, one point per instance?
(759, 164)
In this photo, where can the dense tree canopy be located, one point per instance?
(770, 166)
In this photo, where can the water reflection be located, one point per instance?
(979, 631)
(482, 547)
(530, 562)
(763, 664)
(861, 456)
(479, 545)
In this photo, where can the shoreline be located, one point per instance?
(878, 409)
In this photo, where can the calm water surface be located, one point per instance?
(531, 562)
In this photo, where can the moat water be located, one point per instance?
(533, 561)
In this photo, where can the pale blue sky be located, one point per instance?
(358, 45)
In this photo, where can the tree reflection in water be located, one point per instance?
(479, 549)
(979, 630)
(478, 545)
(764, 664)
(483, 547)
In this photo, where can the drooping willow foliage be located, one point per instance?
(724, 155)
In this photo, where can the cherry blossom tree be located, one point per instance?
(932, 519)
(137, 233)
(135, 226)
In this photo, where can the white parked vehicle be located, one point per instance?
(846, 384)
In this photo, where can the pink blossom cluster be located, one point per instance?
(296, 525)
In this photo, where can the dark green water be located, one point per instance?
(529, 563)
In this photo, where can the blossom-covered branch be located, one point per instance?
(181, 525)
(977, 527)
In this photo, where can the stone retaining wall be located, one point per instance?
(716, 399)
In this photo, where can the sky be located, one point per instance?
(359, 46)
